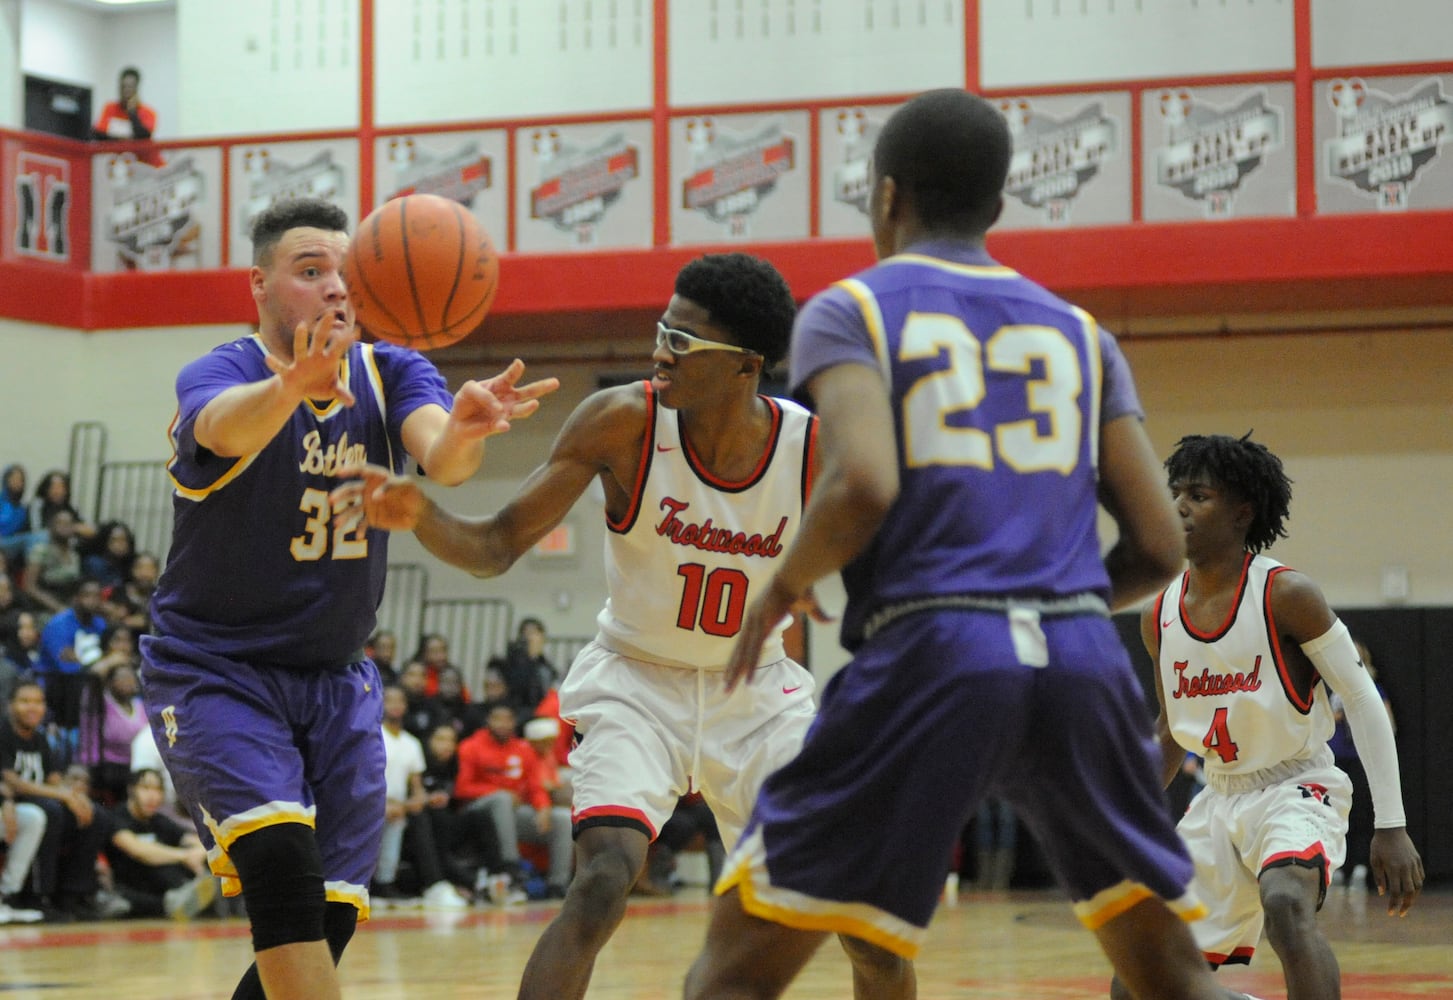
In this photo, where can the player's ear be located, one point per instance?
(256, 279)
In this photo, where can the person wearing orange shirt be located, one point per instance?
(127, 118)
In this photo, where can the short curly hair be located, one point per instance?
(1244, 467)
(747, 297)
(294, 213)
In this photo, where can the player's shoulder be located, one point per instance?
(245, 354)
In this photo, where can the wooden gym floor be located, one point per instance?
(1021, 945)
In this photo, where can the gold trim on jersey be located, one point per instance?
(873, 319)
(1107, 904)
(973, 270)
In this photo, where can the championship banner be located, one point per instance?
(583, 186)
(1382, 144)
(1218, 153)
(738, 177)
(467, 167)
(147, 218)
(1069, 166)
(263, 175)
(847, 138)
(40, 213)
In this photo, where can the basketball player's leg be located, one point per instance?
(1290, 896)
(746, 957)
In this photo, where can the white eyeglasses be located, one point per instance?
(680, 343)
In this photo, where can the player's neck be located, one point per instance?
(1218, 573)
(731, 435)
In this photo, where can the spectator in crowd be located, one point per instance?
(20, 635)
(1356, 870)
(64, 873)
(454, 706)
(111, 715)
(433, 653)
(22, 827)
(146, 756)
(70, 644)
(158, 866)
(53, 565)
(53, 494)
(424, 712)
(18, 532)
(406, 829)
(127, 118)
(12, 599)
(467, 843)
(499, 775)
(130, 603)
(107, 558)
(542, 734)
(692, 819)
(382, 647)
(528, 675)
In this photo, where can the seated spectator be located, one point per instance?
(53, 566)
(433, 653)
(466, 841)
(146, 756)
(20, 645)
(12, 599)
(69, 644)
(127, 118)
(64, 872)
(542, 734)
(528, 675)
(18, 532)
(107, 558)
(53, 494)
(22, 825)
(111, 715)
(130, 603)
(403, 814)
(692, 820)
(499, 775)
(424, 712)
(157, 866)
(381, 648)
(453, 705)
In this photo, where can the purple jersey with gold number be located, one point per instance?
(257, 571)
(998, 390)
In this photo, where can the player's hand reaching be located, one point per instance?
(377, 497)
(482, 408)
(761, 618)
(316, 370)
(1397, 869)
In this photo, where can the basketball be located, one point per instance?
(421, 272)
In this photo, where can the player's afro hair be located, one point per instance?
(294, 213)
(747, 297)
(1244, 467)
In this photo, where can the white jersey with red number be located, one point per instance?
(691, 550)
(1227, 693)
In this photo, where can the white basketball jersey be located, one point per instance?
(1227, 693)
(691, 551)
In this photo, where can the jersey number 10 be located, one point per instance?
(712, 601)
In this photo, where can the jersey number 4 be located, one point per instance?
(349, 541)
(1218, 738)
(712, 601)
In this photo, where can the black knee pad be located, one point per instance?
(339, 922)
(282, 882)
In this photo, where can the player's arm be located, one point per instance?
(856, 484)
(241, 420)
(596, 439)
(1171, 752)
(450, 444)
(1151, 548)
(152, 852)
(1302, 613)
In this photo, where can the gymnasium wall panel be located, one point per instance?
(471, 60)
(266, 66)
(1037, 43)
(758, 51)
(1359, 33)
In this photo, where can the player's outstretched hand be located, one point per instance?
(316, 371)
(487, 407)
(761, 618)
(1397, 869)
(377, 497)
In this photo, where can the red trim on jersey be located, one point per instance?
(762, 463)
(1225, 626)
(617, 812)
(624, 524)
(1240, 956)
(1302, 702)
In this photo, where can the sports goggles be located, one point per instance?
(679, 342)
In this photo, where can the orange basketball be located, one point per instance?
(421, 272)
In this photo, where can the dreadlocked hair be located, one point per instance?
(1245, 467)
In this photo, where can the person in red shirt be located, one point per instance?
(499, 774)
(127, 118)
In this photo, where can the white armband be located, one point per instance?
(1336, 659)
